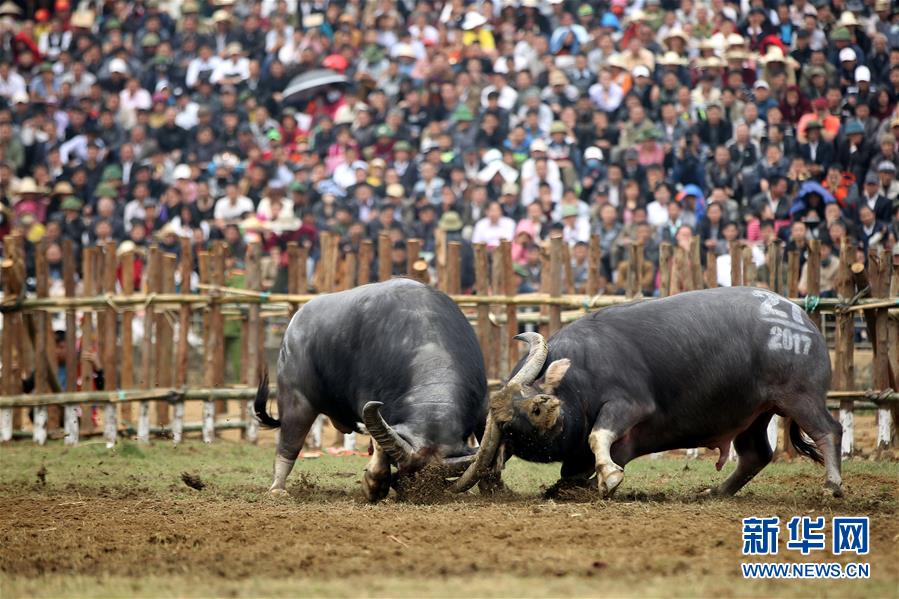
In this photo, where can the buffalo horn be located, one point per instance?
(490, 443)
(396, 447)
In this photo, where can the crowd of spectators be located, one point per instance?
(647, 121)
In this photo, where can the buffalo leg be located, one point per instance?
(614, 421)
(376, 479)
(754, 453)
(297, 416)
(574, 475)
(813, 418)
(492, 481)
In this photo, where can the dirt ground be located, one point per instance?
(88, 522)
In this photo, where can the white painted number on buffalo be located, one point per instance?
(770, 313)
(783, 339)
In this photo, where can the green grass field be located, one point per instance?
(90, 522)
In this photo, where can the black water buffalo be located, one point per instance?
(699, 369)
(397, 348)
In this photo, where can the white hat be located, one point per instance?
(641, 71)
(847, 55)
(473, 20)
(343, 116)
(761, 84)
(182, 171)
(117, 65)
(863, 73)
(491, 155)
(538, 145)
(20, 97)
(402, 50)
(847, 19)
(592, 153)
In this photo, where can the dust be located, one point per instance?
(193, 481)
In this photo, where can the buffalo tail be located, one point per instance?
(259, 404)
(802, 446)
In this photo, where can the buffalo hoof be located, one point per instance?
(278, 492)
(711, 493)
(610, 480)
(833, 489)
(570, 488)
(375, 489)
(492, 485)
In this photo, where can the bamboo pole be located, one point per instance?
(454, 268)
(638, 269)
(749, 270)
(15, 279)
(350, 268)
(366, 250)
(594, 260)
(254, 340)
(665, 267)
(110, 336)
(555, 282)
(165, 337)
(813, 277)
(497, 348)
(385, 262)
(681, 278)
(482, 287)
(328, 262)
(70, 413)
(204, 262)
(630, 283)
(844, 370)
(40, 343)
(861, 398)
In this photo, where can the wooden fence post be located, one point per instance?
(880, 265)
(681, 277)
(12, 383)
(165, 283)
(127, 382)
(695, 263)
(567, 270)
(413, 249)
(630, 283)
(497, 348)
(217, 320)
(509, 289)
(555, 282)
(110, 349)
(185, 270)
(594, 260)
(711, 269)
(204, 263)
(40, 342)
(440, 258)
(293, 271)
(482, 287)
(813, 277)
(793, 274)
(665, 269)
(736, 263)
(749, 270)
(148, 380)
(88, 339)
(70, 413)
(774, 263)
(254, 340)
(893, 347)
(365, 258)
(350, 270)
(385, 263)
(844, 370)
(454, 268)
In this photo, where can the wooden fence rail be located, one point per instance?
(234, 319)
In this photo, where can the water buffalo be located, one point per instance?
(399, 357)
(699, 369)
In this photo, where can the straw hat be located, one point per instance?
(712, 62)
(221, 16)
(847, 19)
(63, 188)
(670, 59)
(735, 39)
(617, 61)
(27, 186)
(775, 54)
(740, 55)
(676, 32)
(10, 8)
(82, 19)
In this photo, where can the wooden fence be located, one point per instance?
(108, 304)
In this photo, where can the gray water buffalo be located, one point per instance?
(699, 369)
(399, 357)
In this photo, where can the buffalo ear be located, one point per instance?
(555, 372)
